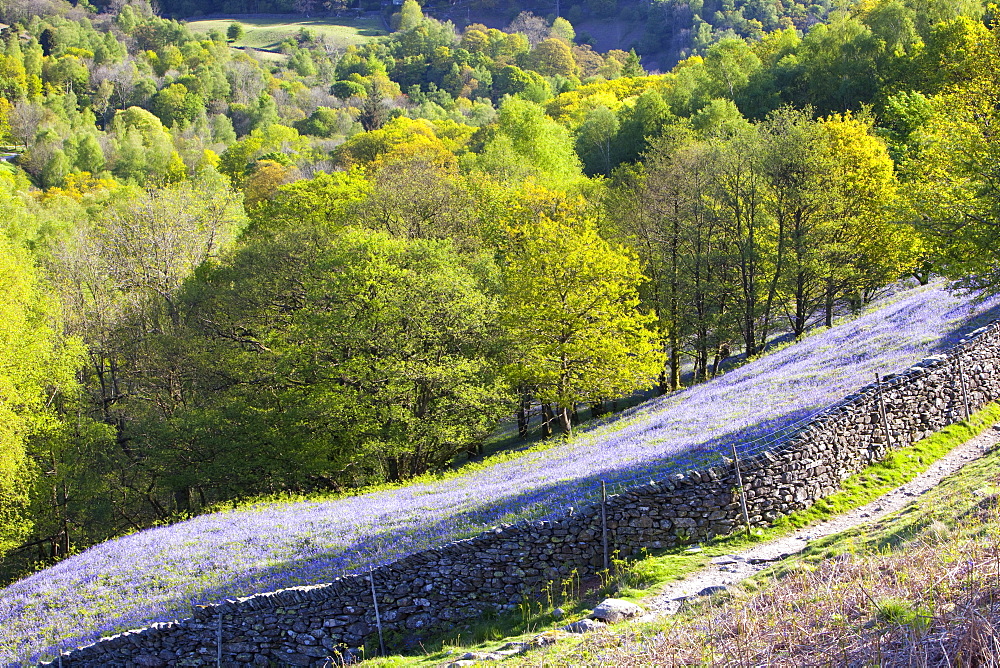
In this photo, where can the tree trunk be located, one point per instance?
(522, 416)
(829, 303)
(799, 326)
(565, 420)
(772, 291)
(675, 372)
(701, 363)
(721, 354)
(547, 419)
(675, 365)
(182, 500)
(923, 272)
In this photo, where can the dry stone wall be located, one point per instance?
(434, 590)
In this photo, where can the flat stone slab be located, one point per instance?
(614, 610)
(726, 560)
(584, 626)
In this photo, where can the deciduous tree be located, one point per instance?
(571, 307)
(36, 366)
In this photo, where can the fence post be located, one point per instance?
(218, 642)
(604, 522)
(739, 483)
(965, 394)
(881, 410)
(378, 618)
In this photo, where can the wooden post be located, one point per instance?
(604, 522)
(965, 393)
(378, 618)
(881, 409)
(739, 483)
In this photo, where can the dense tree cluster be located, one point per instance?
(225, 276)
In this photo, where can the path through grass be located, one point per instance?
(643, 578)
(917, 588)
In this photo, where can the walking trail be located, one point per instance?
(730, 569)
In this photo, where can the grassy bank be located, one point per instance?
(643, 578)
(269, 33)
(921, 587)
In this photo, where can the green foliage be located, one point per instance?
(142, 146)
(410, 15)
(234, 32)
(326, 201)
(563, 29)
(570, 305)
(512, 80)
(391, 378)
(326, 122)
(38, 365)
(952, 155)
(348, 89)
(175, 104)
(552, 57)
(527, 143)
(595, 140)
(640, 125)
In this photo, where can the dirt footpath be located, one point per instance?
(730, 569)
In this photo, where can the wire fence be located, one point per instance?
(751, 447)
(567, 497)
(719, 453)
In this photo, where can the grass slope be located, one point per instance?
(638, 580)
(921, 587)
(268, 33)
(157, 574)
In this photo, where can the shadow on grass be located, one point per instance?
(548, 502)
(984, 315)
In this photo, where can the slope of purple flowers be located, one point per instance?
(157, 574)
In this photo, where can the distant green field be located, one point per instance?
(268, 33)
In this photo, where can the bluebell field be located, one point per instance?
(156, 575)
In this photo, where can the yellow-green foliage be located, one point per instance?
(35, 365)
(571, 107)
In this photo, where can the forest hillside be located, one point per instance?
(237, 273)
(158, 574)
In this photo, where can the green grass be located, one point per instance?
(898, 468)
(884, 601)
(640, 579)
(268, 34)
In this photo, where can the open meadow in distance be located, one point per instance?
(156, 574)
(268, 33)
